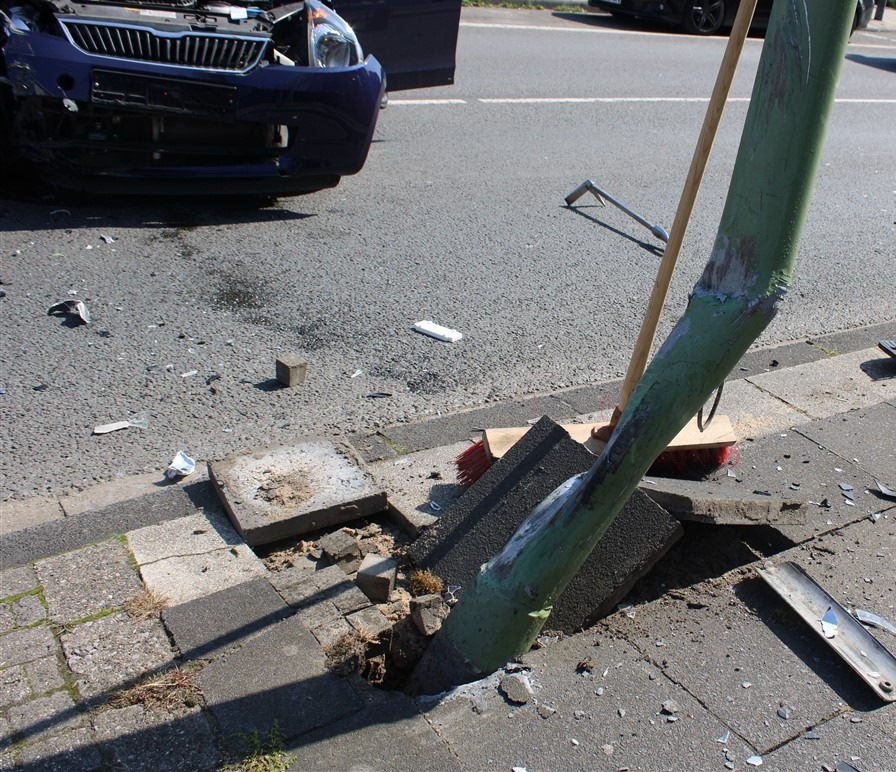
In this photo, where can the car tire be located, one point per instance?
(703, 17)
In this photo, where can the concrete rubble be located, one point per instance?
(150, 634)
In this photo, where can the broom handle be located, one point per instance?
(686, 203)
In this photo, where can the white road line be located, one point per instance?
(600, 100)
(602, 30)
(426, 101)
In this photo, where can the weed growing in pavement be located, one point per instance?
(424, 582)
(170, 689)
(260, 755)
(147, 604)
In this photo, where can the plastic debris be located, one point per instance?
(138, 422)
(887, 491)
(189, 374)
(829, 623)
(755, 761)
(873, 620)
(106, 238)
(181, 466)
(437, 331)
(70, 308)
(724, 738)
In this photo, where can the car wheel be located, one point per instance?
(703, 17)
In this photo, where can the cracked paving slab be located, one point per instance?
(194, 556)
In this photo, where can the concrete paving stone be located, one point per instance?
(370, 621)
(350, 599)
(341, 550)
(481, 522)
(323, 612)
(112, 652)
(457, 427)
(788, 465)
(276, 493)
(827, 387)
(419, 486)
(608, 718)
(731, 643)
(278, 676)
(866, 740)
(370, 447)
(123, 489)
(376, 577)
(328, 633)
(88, 580)
(756, 413)
(39, 719)
(44, 675)
(13, 685)
(7, 618)
(70, 751)
(297, 573)
(69, 533)
(697, 501)
(389, 736)
(15, 581)
(142, 740)
(209, 626)
(182, 579)
(26, 645)
(195, 534)
(29, 610)
(867, 437)
(16, 515)
(599, 398)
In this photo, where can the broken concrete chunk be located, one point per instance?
(701, 502)
(291, 369)
(428, 613)
(369, 621)
(376, 576)
(342, 550)
(515, 688)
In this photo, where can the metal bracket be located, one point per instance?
(602, 196)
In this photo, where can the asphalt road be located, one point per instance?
(458, 217)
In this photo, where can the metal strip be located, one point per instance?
(840, 630)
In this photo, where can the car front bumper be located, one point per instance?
(102, 123)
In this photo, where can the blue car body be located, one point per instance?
(209, 96)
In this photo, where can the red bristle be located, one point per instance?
(472, 464)
(694, 463)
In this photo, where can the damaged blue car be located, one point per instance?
(209, 96)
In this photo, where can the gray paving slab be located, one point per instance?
(731, 644)
(66, 534)
(67, 751)
(830, 386)
(28, 610)
(16, 515)
(211, 625)
(26, 645)
(87, 581)
(194, 556)
(40, 719)
(420, 486)
(788, 465)
(864, 739)
(278, 676)
(866, 436)
(605, 714)
(122, 489)
(142, 740)
(388, 736)
(478, 525)
(276, 493)
(113, 652)
(15, 581)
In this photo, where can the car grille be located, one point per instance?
(198, 50)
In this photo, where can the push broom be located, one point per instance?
(697, 446)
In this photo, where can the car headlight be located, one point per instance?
(331, 41)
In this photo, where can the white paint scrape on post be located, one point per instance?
(437, 331)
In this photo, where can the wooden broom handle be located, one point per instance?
(686, 203)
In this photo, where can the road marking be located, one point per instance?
(426, 101)
(604, 30)
(601, 100)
